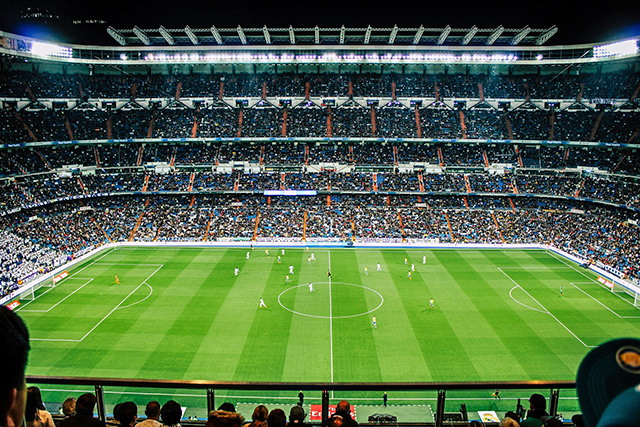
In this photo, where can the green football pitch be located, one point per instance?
(183, 314)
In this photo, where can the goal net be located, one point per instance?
(625, 289)
(42, 287)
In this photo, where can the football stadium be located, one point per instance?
(437, 225)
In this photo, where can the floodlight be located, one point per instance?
(626, 47)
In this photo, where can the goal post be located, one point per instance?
(31, 292)
(623, 287)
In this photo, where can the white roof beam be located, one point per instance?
(192, 36)
(418, 35)
(165, 34)
(292, 35)
(367, 35)
(520, 36)
(316, 35)
(444, 34)
(243, 38)
(141, 35)
(116, 36)
(216, 34)
(495, 35)
(544, 37)
(267, 36)
(393, 35)
(470, 35)
(342, 31)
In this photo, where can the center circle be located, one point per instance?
(318, 301)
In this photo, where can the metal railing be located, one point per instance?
(99, 384)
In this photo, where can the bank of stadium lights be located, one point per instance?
(141, 35)
(49, 49)
(316, 35)
(626, 47)
(331, 57)
(192, 36)
(166, 36)
(342, 34)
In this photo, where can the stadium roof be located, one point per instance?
(421, 36)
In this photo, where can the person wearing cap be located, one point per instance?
(608, 384)
(537, 413)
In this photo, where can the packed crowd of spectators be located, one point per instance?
(618, 85)
(28, 160)
(37, 239)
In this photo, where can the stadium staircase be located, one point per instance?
(139, 221)
(418, 125)
(596, 125)
(109, 127)
(373, 122)
(495, 220)
(206, 232)
(255, 228)
(440, 156)
(329, 125)
(421, 183)
(96, 155)
(283, 133)
(221, 91)
(151, 124)
(449, 226)
(240, 118)
(485, 157)
(513, 206)
(67, 125)
(24, 124)
(463, 125)
(467, 185)
(552, 125)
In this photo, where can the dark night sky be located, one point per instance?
(578, 22)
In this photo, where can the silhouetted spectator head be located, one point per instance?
(476, 423)
(509, 422)
(277, 418)
(14, 351)
(260, 413)
(69, 406)
(85, 404)
(171, 413)
(608, 384)
(538, 402)
(152, 410)
(512, 415)
(297, 415)
(224, 419)
(227, 407)
(127, 413)
(343, 406)
(577, 420)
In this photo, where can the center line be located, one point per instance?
(330, 319)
